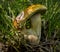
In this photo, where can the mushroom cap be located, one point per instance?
(33, 9)
(28, 12)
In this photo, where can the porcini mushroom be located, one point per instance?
(32, 13)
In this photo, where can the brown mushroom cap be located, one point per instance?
(28, 12)
(33, 9)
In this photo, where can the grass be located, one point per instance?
(50, 38)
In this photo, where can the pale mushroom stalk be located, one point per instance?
(33, 13)
(36, 24)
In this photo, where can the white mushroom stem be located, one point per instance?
(31, 38)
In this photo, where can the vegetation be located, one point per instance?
(50, 37)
